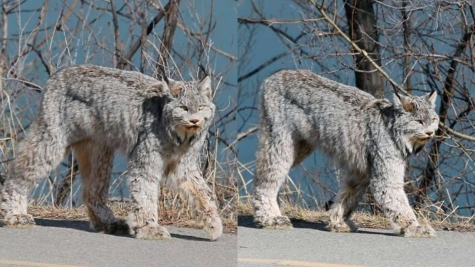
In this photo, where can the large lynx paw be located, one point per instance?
(418, 231)
(277, 223)
(214, 227)
(342, 227)
(154, 232)
(19, 220)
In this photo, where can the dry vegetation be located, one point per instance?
(181, 37)
(365, 219)
(182, 217)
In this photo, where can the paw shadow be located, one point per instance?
(321, 226)
(190, 238)
(248, 222)
(85, 226)
(374, 232)
(71, 224)
(308, 224)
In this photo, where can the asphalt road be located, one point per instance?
(310, 246)
(54, 243)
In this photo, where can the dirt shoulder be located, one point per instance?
(175, 218)
(365, 220)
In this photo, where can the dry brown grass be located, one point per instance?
(365, 220)
(173, 217)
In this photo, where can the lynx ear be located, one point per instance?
(175, 88)
(157, 89)
(431, 98)
(170, 82)
(204, 87)
(404, 102)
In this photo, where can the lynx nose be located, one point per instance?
(194, 121)
(429, 133)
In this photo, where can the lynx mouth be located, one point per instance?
(192, 128)
(424, 139)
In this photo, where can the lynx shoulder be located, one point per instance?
(369, 138)
(97, 111)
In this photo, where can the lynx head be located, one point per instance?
(416, 120)
(190, 110)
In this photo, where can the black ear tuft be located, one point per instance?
(432, 97)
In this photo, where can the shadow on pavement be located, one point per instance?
(192, 238)
(248, 222)
(72, 224)
(375, 233)
(84, 226)
(309, 225)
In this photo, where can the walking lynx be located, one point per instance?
(369, 138)
(159, 125)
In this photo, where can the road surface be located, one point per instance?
(310, 246)
(54, 243)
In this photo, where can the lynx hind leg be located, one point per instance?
(39, 153)
(389, 193)
(347, 199)
(199, 195)
(275, 157)
(95, 164)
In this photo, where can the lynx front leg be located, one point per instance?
(95, 165)
(348, 198)
(274, 160)
(192, 185)
(387, 185)
(39, 153)
(145, 167)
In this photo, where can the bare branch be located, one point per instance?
(168, 32)
(133, 49)
(115, 22)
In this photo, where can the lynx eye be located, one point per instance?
(434, 119)
(201, 107)
(421, 122)
(184, 108)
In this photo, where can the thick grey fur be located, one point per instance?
(97, 111)
(369, 138)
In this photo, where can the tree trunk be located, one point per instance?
(168, 33)
(363, 31)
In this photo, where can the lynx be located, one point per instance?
(96, 111)
(369, 138)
